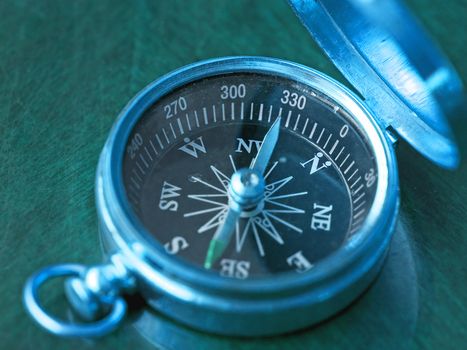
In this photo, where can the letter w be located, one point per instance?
(192, 147)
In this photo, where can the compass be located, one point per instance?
(239, 192)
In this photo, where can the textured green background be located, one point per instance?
(66, 70)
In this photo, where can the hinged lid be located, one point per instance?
(384, 53)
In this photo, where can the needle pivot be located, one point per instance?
(246, 189)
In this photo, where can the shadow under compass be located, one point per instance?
(389, 308)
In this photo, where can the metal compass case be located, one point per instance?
(240, 192)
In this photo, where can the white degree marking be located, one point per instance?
(205, 114)
(348, 168)
(147, 152)
(357, 190)
(334, 147)
(133, 191)
(159, 141)
(345, 159)
(288, 119)
(140, 169)
(214, 113)
(339, 154)
(133, 199)
(165, 135)
(223, 112)
(153, 147)
(312, 131)
(242, 111)
(296, 122)
(180, 127)
(173, 131)
(358, 214)
(251, 111)
(351, 176)
(260, 114)
(137, 175)
(196, 119)
(320, 135)
(361, 196)
(144, 161)
(280, 112)
(358, 221)
(304, 126)
(356, 182)
(270, 114)
(135, 183)
(232, 111)
(327, 141)
(188, 122)
(359, 206)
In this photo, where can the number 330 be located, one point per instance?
(293, 99)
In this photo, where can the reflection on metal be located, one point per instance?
(390, 307)
(404, 78)
(100, 327)
(94, 293)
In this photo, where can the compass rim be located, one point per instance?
(130, 231)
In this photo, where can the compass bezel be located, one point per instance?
(340, 274)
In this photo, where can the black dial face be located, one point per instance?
(320, 181)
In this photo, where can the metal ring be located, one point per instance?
(56, 326)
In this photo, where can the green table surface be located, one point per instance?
(66, 70)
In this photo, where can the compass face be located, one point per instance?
(320, 181)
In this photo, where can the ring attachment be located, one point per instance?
(59, 327)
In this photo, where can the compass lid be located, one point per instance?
(403, 77)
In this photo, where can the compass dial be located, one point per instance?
(319, 183)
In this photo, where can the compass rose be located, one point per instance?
(268, 221)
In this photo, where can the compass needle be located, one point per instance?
(267, 147)
(216, 248)
(246, 193)
(221, 238)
